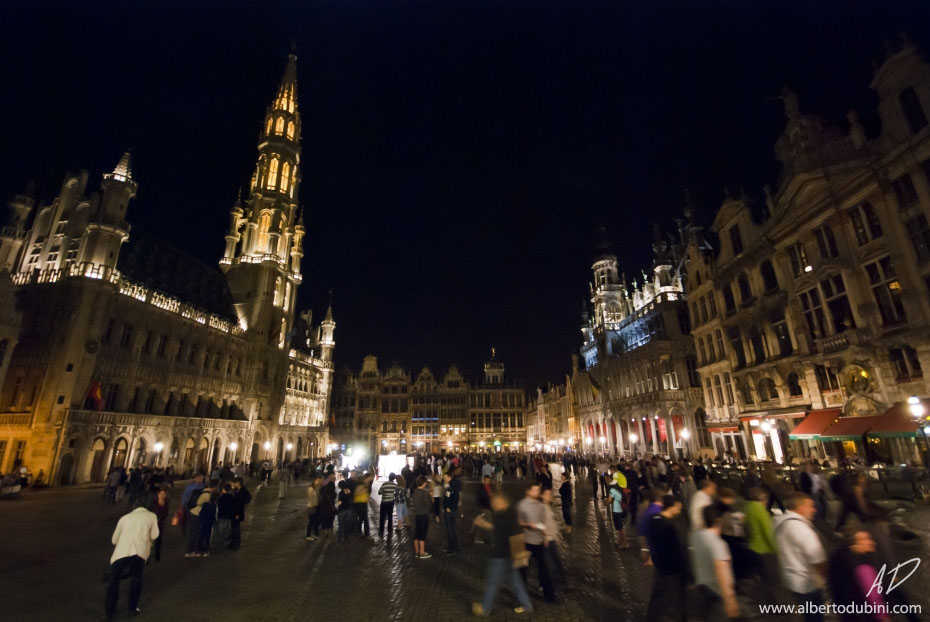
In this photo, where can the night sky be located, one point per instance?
(457, 156)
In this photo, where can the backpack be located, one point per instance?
(192, 502)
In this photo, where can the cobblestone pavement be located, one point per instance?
(55, 543)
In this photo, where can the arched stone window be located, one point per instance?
(766, 390)
(285, 176)
(272, 174)
(746, 390)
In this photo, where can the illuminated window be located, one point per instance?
(272, 174)
(264, 224)
(290, 130)
(277, 292)
(285, 176)
(268, 125)
(290, 100)
(887, 291)
(279, 126)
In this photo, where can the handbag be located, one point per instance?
(518, 553)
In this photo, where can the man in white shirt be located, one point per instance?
(133, 539)
(700, 500)
(802, 557)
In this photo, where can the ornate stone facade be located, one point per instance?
(131, 352)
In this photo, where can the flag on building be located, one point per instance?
(95, 395)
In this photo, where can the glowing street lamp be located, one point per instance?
(233, 446)
(686, 434)
(267, 445)
(158, 447)
(290, 446)
(915, 406)
(603, 440)
(634, 437)
(588, 440)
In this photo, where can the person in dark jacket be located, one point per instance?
(327, 509)
(225, 514)
(159, 505)
(565, 492)
(669, 554)
(345, 509)
(450, 510)
(241, 498)
(504, 526)
(853, 572)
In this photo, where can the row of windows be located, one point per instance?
(278, 125)
(158, 345)
(152, 401)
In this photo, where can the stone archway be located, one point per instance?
(98, 454)
(65, 468)
(120, 453)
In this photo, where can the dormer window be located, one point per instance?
(735, 240)
(912, 110)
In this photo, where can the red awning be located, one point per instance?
(849, 428)
(897, 421)
(816, 422)
(723, 428)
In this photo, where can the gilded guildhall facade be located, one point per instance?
(819, 310)
(638, 391)
(130, 352)
(390, 411)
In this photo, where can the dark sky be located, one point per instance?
(457, 156)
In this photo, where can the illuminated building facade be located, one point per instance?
(638, 392)
(389, 411)
(552, 423)
(132, 353)
(817, 306)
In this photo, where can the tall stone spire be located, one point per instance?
(264, 244)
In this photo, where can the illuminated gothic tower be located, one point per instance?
(264, 242)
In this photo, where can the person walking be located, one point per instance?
(387, 491)
(194, 531)
(159, 506)
(565, 492)
(483, 498)
(241, 498)
(401, 495)
(553, 537)
(669, 554)
(701, 499)
(532, 518)
(802, 556)
(346, 511)
(225, 513)
(501, 563)
(713, 569)
(853, 577)
(327, 509)
(615, 494)
(361, 493)
(437, 495)
(132, 540)
(450, 509)
(760, 539)
(421, 508)
(313, 510)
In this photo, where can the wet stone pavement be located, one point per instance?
(55, 543)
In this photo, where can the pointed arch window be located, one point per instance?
(268, 125)
(264, 225)
(290, 130)
(272, 174)
(279, 126)
(285, 176)
(277, 292)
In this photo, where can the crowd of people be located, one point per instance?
(713, 552)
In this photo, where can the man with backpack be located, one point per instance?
(192, 510)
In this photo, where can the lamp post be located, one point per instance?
(158, 447)
(634, 438)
